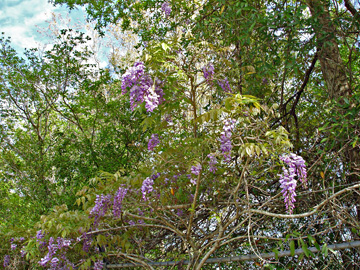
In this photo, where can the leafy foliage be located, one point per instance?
(221, 93)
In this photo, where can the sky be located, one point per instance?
(22, 19)
(27, 23)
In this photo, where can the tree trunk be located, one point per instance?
(334, 73)
(332, 67)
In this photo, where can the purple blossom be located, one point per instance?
(54, 262)
(42, 244)
(13, 246)
(22, 252)
(224, 84)
(159, 91)
(288, 186)
(212, 163)
(229, 125)
(147, 187)
(151, 100)
(168, 119)
(22, 239)
(155, 176)
(196, 169)
(288, 183)
(225, 138)
(43, 262)
(208, 72)
(6, 261)
(98, 265)
(166, 8)
(132, 223)
(132, 76)
(141, 221)
(39, 235)
(153, 142)
(87, 243)
(179, 212)
(298, 164)
(63, 243)
(142, 88)
(118, 199)
(55, 248)
(52, 248)
(102, 204)
(225, 143)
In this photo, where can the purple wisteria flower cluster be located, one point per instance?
(212, 163)
(224, 84)
(102, 204)
(166, 8)
(6, 261)
(13, 246)
(147, 187)
(208, 72)
(142, 88)
(225, 138)
(87, 241)
(55, 258)
(153, 142)
(196, 170)
(118, 199)
(40, 236)
(288, 183)
(98, 265)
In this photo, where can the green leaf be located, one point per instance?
(324, 140)
(292, 248)
(304, 247)
(324, 250)
(276, 251)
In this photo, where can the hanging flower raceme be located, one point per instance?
(212, 163)
(166, 8)
(6, 260)
(225, 86)
(118, 199)
(196, 171)
(98, 265)
(57, 250)
(39, 235)
(147, 187)
(102, 204)
(298, 164)
(208, 72)
(288, 182)
(142, 88)
(153, 142)
(225, 138)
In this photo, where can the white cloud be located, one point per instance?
(27, 23)
(21, 20)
